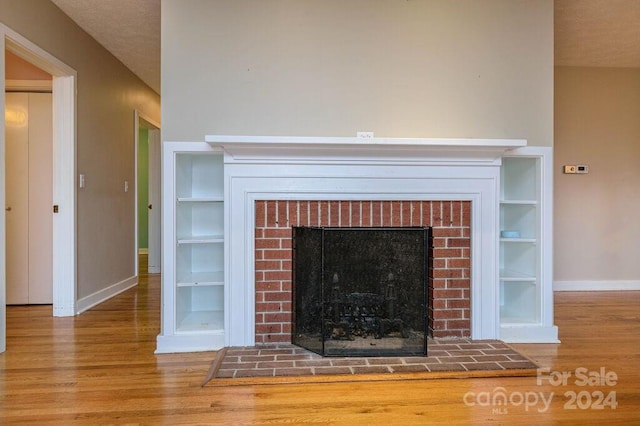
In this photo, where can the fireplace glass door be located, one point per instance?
(360, 291)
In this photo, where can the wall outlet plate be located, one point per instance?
(569, 169)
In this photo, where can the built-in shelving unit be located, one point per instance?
(193, 265)
(526, 296)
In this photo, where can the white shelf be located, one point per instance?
(202, 239)
(519, 240)
(510, 275)
(519, 202)
(192, 279)
(219, 199)
(202, 321)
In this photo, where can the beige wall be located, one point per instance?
(420, 68)
(597, 122)
(107, 94)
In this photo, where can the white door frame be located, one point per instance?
(154, 168)
(64, 171)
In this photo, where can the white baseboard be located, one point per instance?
(98, 297)
(619, 285)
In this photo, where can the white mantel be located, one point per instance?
(347, 149)
(334, 168)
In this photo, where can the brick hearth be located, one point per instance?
(449, 273)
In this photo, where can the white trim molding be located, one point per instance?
(609, 285)
(98, 297)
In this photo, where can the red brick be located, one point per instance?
(259, 276)
(286, 243)
(439, 304)
(292, 213)
(405, 213)
(447, 232)
(438, 242)
(458, 324)
(268, 265)
(447, 252)
(446, 314)
(275, 296)
(269, 307)
(323, 213)
(271, 218)
(386, 213)
(345, 213)
(268, 286)
(277, 275)
(446, 213)
(466, 212)
(261, 217)
(447, 273)
(277, 338)
(366, 213)
(396, 213)
(334, 213)
(259, 254)
(262, 243)
(439, 283)
(458, 242)
(416, 213)
(456, 213)
(376, 213)
(461, 283)
(303, 216)
(314, 214)
(281, 213)
(439, 263)
(277, 254)
(279, 317)
(458, 263)
(268, 328)
(277, 233)
(447, 294)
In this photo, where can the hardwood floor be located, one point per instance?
(99, 368)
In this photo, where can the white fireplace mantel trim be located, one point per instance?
(270, 149)
(272, 168)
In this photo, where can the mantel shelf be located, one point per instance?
(353, 149)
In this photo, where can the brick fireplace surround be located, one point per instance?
(449, 269)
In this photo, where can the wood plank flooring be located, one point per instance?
(99, 368)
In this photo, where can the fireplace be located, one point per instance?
(360, 291)
(398, 173)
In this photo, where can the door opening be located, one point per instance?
(148, 212)
(64, 170)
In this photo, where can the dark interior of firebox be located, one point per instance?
(360, 291)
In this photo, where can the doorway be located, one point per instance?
(148, 190)
(64, 171)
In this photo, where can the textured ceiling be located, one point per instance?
(129, 29)
(604, 33)
(597, 33)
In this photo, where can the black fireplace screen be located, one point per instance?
(360, 291)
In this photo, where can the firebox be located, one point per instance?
(361, 291)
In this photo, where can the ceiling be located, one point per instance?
(602, 33)
(129, 29)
